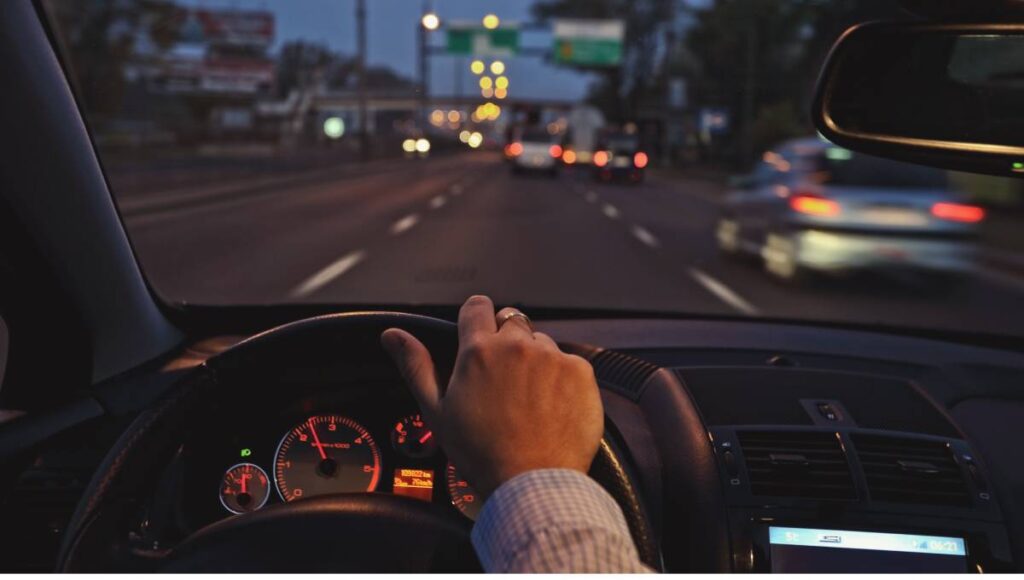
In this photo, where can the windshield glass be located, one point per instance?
(356, 152)
(871, 172)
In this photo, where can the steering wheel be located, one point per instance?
(337, 533)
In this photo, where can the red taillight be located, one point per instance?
(569, 157)
(555, 151)
(956, 212)
(640, 160)
(601, 158)
(515, 149)
(814, 205)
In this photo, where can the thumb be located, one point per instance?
(417, 367)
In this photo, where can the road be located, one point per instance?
(434, 232)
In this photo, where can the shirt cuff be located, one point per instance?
(535, 504)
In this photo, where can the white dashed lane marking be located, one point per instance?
(611, 211)
(646, 237)
(328, 274)
(723, 292)
(438, 202)
(404, 224)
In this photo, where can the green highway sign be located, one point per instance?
(474, 41)
(589, 42)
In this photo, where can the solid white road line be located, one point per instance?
(591, 197)
(438, 202)
(645, 236)
(611, 211)
(723, 292)
(328, 274)
(403, 225)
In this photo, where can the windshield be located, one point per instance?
(856, 170)
(355, 152)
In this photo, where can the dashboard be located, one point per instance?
(365, 437)
(754, 447)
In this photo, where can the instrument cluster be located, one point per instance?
(320, 447)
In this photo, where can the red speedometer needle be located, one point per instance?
(245, 478)
(316, 439)
(426, 437)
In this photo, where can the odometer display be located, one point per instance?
(326, 454)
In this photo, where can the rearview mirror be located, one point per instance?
(946, 95)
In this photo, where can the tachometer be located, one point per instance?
(326, 454)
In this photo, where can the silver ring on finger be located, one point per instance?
(503, 319)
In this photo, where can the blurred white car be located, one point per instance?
(535, 150)
(812, 206)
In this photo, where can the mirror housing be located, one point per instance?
(946, 95)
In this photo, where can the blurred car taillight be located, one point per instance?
(569, 157)
(956, 212)
(814, 205)
(514, 149)
(601, 158)
(555, 151)
(640, 160)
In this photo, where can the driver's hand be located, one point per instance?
(515, 402)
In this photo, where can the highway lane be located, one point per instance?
(436, 231)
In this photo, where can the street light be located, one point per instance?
(477, 67)
(486, 83)
(501, 82)
(491, 22)
(498, 67)
(431, 21)
(500, 93)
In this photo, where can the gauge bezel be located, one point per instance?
(220, 493)
(402, 450)
(450, 477)
(349, 422)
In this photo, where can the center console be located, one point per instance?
(834, 472)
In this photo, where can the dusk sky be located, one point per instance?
(392, 39)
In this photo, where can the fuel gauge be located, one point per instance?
(245, 488)
(413, 438)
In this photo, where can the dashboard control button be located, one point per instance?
(731, 465)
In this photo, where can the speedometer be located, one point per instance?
(326, 454)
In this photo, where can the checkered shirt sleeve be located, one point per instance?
(554, 520)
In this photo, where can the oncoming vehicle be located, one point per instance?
(213, 232)
(620, 157)
(814, 206)
(535, 150)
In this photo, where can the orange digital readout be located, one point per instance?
(414, 483)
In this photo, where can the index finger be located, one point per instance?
(476, 317)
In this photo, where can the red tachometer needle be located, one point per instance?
(316, 440)
(426, 437)
(245, 478)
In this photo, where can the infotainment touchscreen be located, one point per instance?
(797, 550)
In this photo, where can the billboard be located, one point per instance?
(219, 53)
(237, 27)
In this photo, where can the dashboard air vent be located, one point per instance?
(804, 464)
(622, 372)
(905, 470)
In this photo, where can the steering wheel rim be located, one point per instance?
(96, 537)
